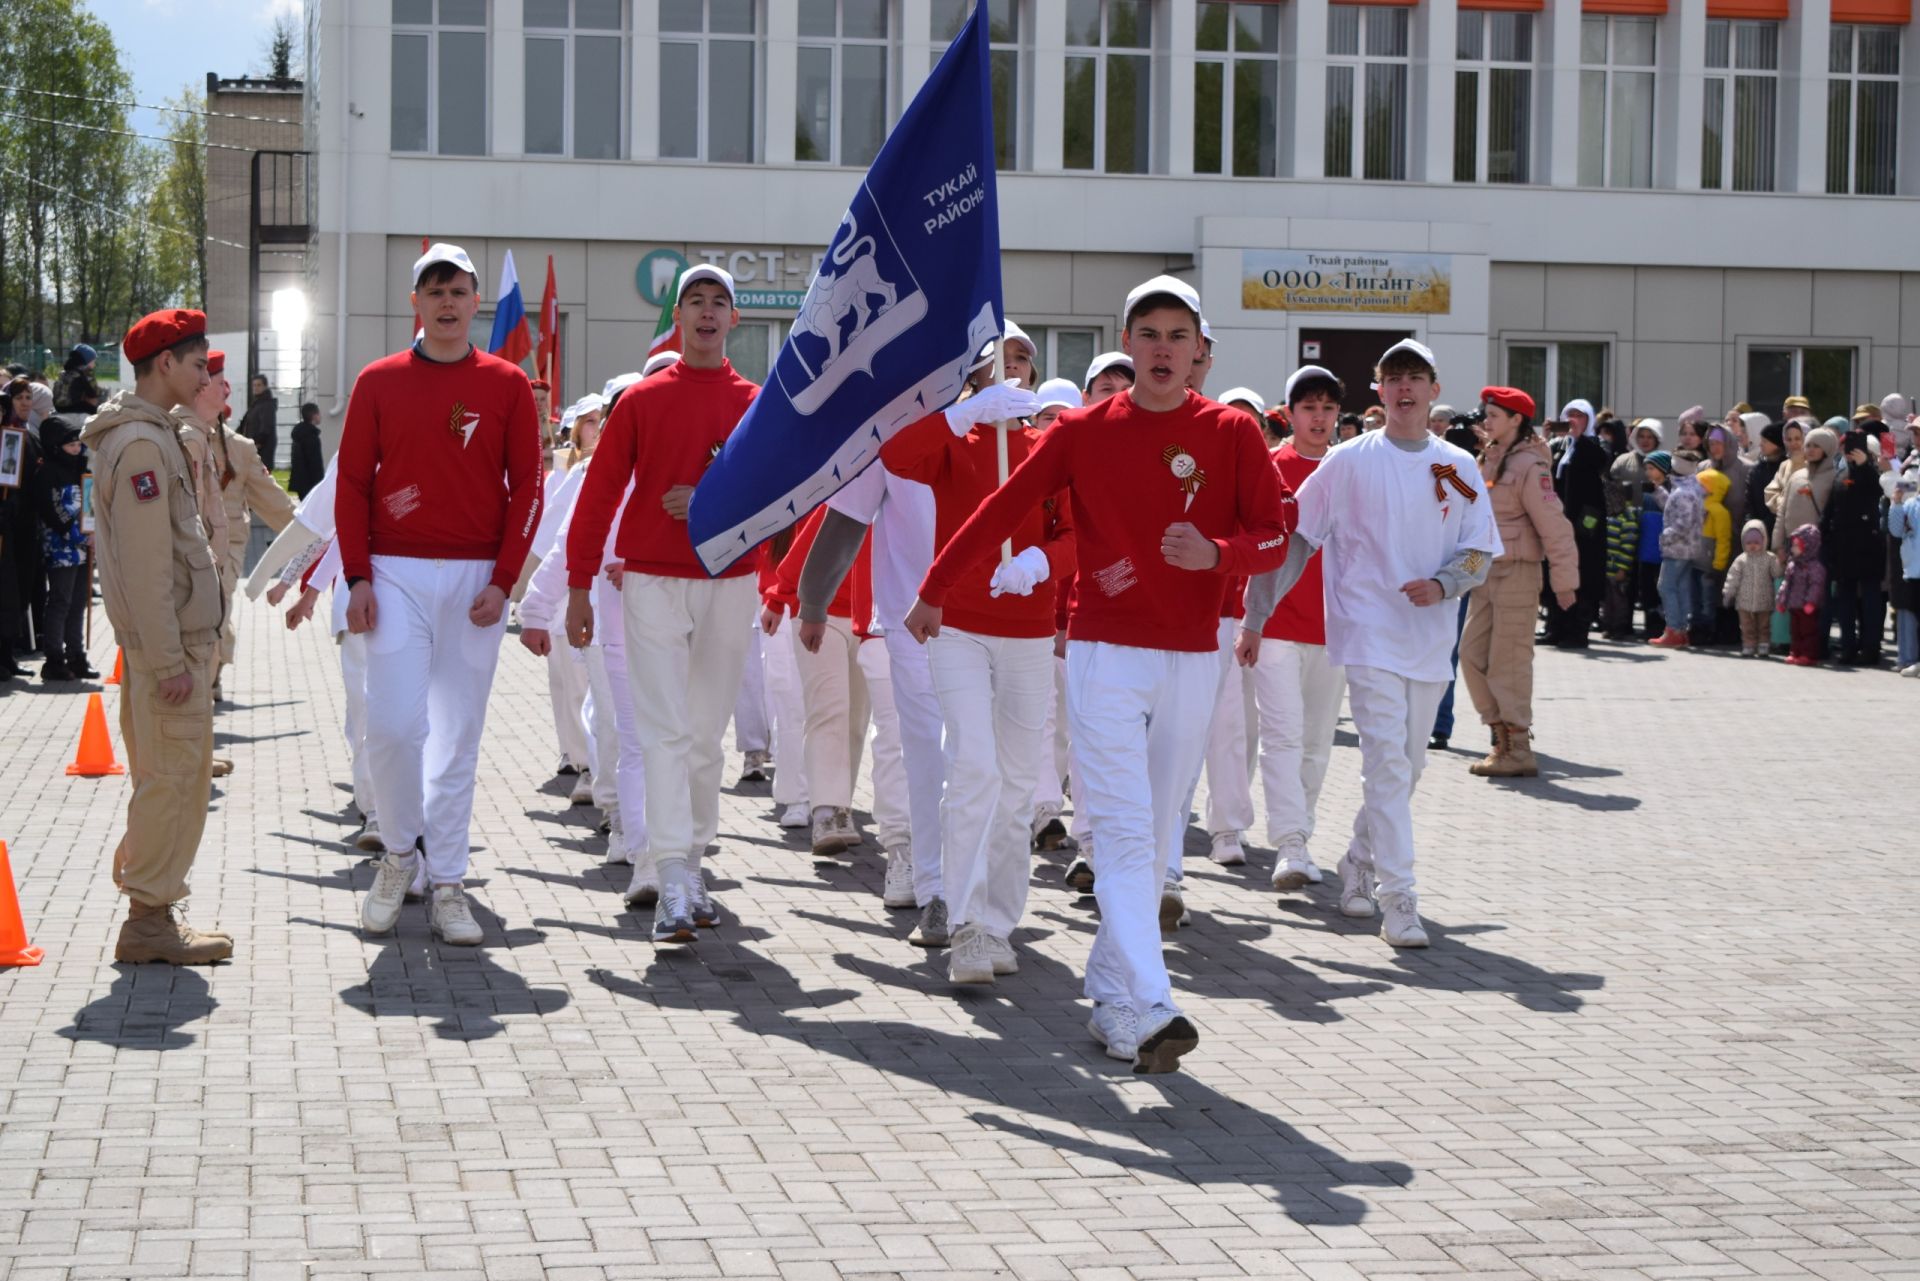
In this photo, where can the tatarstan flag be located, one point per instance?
(666, 335)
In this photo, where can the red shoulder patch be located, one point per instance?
(1546, 483)
(146, 487)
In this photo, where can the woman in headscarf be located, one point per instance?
(1580, 479)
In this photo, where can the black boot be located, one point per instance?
(82, 670)
(55, 669)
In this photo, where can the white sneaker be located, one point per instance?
(582, 788)
(643, 889)
(1314, 875)
(833, 831)
(970, 959)
(1400, 920)
(1356, 887)
(380, 906)
(1165, 1035)
(1173, 907)
(1116, 1027)
(1291, 865)
(1227, 851)
(898, 890)
(1049, 833)
(452, 917)
(368, 837)
(1911, 671)
(1005, 959)
(618, 851)
(795, 815)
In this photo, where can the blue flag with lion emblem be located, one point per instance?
(906, 296)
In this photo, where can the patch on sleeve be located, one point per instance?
(1546, 483)
(146, 487)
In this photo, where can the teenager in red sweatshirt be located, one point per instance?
(437, 497)
(992, 662)
(686, 633)
(1172, 495)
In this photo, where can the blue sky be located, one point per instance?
(169, 44)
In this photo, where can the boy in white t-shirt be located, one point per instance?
(1403, 521)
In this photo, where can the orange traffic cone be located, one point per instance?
(14, 948)
(119, 658)
(95, 758)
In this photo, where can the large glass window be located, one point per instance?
(841, 113)
(709, 80)
(1824, 375)
(753, 346)
(1007, 39)
(1367, 67)
(1616, 101)
(1062, 351)
(1863, 110)
(1738, 138)
(1493, 98)
(1109, 86)
(1236, 89)
(1555, 372)
(576, 77)
(439, 101)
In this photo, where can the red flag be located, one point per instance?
(548, 357)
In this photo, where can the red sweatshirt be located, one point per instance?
(664, 432)
(1132, 473)
(854, 600)
(1301, 615)
(439, 462)
(963, 472)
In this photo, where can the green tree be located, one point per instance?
(281, 44)
(180, 200)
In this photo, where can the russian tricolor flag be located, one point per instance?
(512, 340)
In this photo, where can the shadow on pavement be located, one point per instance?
(145, 1009)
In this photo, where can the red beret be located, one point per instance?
(541, 384)
(216, 362)
(1511, 399)
(157, 331)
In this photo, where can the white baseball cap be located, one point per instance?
(444, 252)
(658, 361)
(705, 271)
(1107, 360)
(619, 383)
(1013, 333)
(1206, 331)
(1058, 391)
(1419, 349)
(1303, 373)
(1163, 285)
(1247, 394)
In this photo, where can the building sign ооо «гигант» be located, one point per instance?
(1351, 282)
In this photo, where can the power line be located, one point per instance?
(144, 221)
(149, 106)
(124, 133)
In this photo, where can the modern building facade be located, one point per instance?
(1649, 203)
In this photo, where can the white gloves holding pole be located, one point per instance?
(994, 403)
(1019, 576)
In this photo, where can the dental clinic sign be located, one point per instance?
(1355, 282)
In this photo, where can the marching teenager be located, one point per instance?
(992, 661)
(1056, 395)
(567, 677)
(1172, 495)
(1296, 690)
(1404, 525)
(437, 498)
(686, 633)
(785, 700)
(1108, 372)
(1496, 649)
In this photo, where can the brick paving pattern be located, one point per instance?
(1668, 1028)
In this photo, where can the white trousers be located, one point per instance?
(751, 722)
(567, 690)
(1139, 719)
(789, 708)
(891, 819)
(1231, 742)
(918, 711)
(1393, 717)
(1052, 771)
(686, 650)
(1297, 692)
(429, 671)
(835, 690)
(993, 693)
(617, 754)
(353, 678)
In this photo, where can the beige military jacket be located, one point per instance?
(157, 571)
(209, 475)
(249, 487)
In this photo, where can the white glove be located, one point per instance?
(1019, 576)
(993, 403)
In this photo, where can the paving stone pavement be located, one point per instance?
(1668, 1028)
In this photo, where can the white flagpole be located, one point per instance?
(1000, 434)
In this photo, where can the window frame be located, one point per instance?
(835, 46)
(1481, 69)
(1552, 395)
(1358, 63)
(1101, 56)
(704, 40)
(1853, 78)
(1047, 335)
(431, 31)
(1610, 69)
(569, 37)
(1019, 51)
(1228, 60)
(1797, 370)
(1726, 79)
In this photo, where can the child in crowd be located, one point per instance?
(1750, 588)
(1715, 552)
(1683, 516)
(1903, 524)
(1802, 592)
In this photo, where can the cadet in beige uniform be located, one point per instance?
(199, 427)
(245, 485)
(163, 598)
